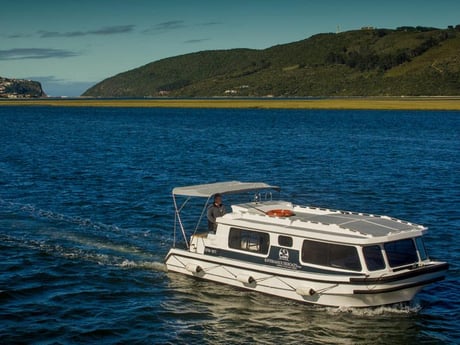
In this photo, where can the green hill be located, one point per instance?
(367, 62)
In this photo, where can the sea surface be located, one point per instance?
(86, 219)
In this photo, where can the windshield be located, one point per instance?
(401, 253)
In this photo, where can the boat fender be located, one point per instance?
(193, 268)
(245, 279)
(305, 291)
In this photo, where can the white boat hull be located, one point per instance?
(330, 290)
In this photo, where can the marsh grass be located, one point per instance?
(376, 103)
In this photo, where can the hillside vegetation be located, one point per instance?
(368, 62)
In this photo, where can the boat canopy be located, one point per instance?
(208, 190)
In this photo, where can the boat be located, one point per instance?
(304, 253)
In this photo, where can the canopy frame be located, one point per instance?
(207, 191)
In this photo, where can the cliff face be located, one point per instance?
(20, 88)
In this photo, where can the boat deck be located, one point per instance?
(368, 225)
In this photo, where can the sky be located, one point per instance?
(70, 45)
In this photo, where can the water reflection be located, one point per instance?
(214, 313)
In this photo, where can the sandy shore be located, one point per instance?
(378, 103)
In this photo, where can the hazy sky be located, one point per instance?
(71, 45)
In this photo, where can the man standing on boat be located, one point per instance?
(217, 209)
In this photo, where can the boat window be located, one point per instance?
(374, 258)
(333, 255)
(421, 248)
(401, 252)
(285, 241)
(252, 241)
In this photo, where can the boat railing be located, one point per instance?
(259, 197)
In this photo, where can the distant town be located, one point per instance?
(20, 88)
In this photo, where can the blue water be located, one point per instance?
(86, 219)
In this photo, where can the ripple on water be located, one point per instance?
(86, 219)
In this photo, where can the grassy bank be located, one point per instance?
(377, 103)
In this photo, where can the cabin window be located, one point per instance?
(401, 253)
(421, 248)
(251, 241)
(285, 241)
(332, 255)
(374, 258)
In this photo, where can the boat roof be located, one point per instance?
(366, 224)
(336, 222)
(208, 190)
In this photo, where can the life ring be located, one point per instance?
(280, 213)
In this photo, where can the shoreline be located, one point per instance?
(349, 103)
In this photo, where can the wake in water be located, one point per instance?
(399, 308)
(26, 226)
(37, 213)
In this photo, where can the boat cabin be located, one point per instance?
(314, 239)
(278, 233)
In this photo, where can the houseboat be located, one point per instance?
(308, 254)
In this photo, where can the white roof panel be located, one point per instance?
(366, 224)
(208, 190)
